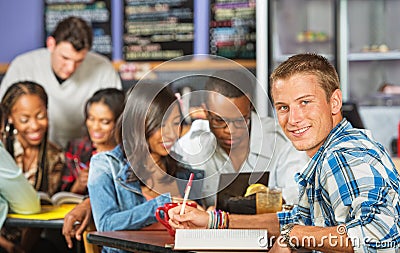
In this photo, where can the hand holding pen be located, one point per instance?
(82, 175)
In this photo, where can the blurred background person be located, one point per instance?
(70, 74)
(101, 113)
(41, 161)
(24, 200)
(27, 124)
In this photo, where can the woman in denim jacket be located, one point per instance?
(127, 184)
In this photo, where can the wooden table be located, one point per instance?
(143, 241)
(138, 240)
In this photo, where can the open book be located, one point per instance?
(60, 198)
(221, 239)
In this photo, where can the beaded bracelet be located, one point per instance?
(218, 219)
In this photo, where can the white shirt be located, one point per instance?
(66, 100)
(269, 151)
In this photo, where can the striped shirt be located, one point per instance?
(352, 181)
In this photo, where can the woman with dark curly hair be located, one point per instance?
(41, 161)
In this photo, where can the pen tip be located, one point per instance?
(190, 179)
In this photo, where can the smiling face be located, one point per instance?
(64, 58)
(303, 111)
(29, 116)
(100, 122)
(162, 140)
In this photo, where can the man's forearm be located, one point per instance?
(267, 221)
(329, 239)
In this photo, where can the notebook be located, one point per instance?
(235, 185)
(221, 239)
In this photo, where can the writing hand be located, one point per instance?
(192, 218)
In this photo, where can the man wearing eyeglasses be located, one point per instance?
(235, 139)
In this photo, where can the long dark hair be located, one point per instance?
(146, 107)
(111, 97)
(13, 93)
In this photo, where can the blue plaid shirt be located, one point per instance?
(351, 180)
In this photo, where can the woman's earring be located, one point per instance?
(15, 131)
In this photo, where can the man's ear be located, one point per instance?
(336, 102)
(51, 43)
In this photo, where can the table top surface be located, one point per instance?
(145, 240)
(142, 240)
(150, 239)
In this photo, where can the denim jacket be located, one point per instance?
(117, 200)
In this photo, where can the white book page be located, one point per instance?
(221, 239)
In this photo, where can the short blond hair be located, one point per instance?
(309, 63)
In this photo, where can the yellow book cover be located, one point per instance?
(48, 212)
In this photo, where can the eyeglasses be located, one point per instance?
(218, 122)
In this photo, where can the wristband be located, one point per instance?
(285, 233)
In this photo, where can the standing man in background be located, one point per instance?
(70, 74)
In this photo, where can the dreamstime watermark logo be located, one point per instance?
(265, 242)
(330, 240)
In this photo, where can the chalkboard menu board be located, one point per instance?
(157, 29)
(233, 29)
(97, 13)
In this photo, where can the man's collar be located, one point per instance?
(60, 80)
